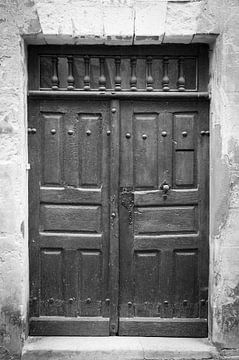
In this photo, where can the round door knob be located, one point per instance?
(71, 300)
(207, 133)
(34, 131)
(164, 133)
(88, 300)
(51, 300)
(113, 110)
(70, 132)
(130, 303)
(184, 133)
(128, 135)
(88, 132)
(113, 215)
(53, 131)
(107, 301)
(203, 132)
(144, 136)
(165, 303)
(165, 187)
(108, 132)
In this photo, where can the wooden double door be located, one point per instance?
(118, 220)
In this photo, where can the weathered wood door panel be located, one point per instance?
(69, 153)
(163, 219)
(148, 276)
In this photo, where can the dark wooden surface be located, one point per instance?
(111, 253)
(164, 249)
(69, 216)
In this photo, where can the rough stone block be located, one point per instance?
(116, 348)
(76, 19)
(181, 22)
(150, 19)
(118, 24)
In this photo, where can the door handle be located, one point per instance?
(113, 215)
(165, 187)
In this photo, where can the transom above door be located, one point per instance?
(118, 192)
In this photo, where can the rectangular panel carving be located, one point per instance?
(51, 148)
(90, 283)
(146, 282)
(145, 150)
(184, 168)
(52, 301)
(71, 218)
(165, 148)
(163, 220)
(90, 149)
(186, 283)
(184, 131)
(71, 150)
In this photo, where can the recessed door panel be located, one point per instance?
(69, 218)
(163, 267)
(118, 218)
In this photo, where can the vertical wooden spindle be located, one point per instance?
(117, 74)
(87, 73)
(133, 79)
(102, 79)
(181, 79)
(165, 80)
(149, 78)
(54, 78)
(70, 77)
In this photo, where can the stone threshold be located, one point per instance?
(117, 348)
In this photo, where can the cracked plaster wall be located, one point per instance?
(119, 22)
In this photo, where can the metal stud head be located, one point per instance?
(108, 132)
(113, 110)
(130, 303)
(164, 133)
(107, 301)
(53, 131)
(144, 136)
(71, 300)
(128, 135)
(70, 132)
(88, 300)
(184, 133)
(88, 132)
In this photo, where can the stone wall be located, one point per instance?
(120, 22)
